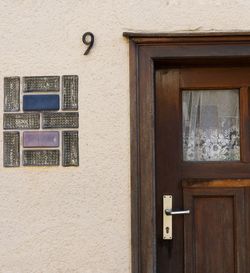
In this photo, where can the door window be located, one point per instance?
(210, 125)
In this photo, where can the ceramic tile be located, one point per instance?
(41, 157)
(21, 121)
(41, 84)
(70, 148)
(41, 108)
(60, 120)
(40, 139)
(11, 94)
(70, 92)
(40, 102)
(11, 147)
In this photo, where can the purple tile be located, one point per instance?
(40, 139)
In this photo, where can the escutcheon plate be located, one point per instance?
(167, 219)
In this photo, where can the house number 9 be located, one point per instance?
(88, 39)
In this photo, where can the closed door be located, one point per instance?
(203, 164)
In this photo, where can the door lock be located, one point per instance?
(167, 216)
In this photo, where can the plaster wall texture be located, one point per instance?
(75, 220)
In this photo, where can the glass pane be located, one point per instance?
(211, 125)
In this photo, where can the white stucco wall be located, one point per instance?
(65, 220)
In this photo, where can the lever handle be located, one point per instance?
(168, 214)
(180, 212)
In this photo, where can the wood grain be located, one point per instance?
(148, 54)
(214, 239)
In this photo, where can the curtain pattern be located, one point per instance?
(211, 125)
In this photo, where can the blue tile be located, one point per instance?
(40, 102)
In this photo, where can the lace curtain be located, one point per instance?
(211, 125)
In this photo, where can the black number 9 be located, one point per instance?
(88, 39)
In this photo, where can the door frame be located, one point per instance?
(147, 52)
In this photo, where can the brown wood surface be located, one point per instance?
(135, 161)
(244, 124)
(225, 183)
(225, 36)
(215, 231)
(215, 170)
(148, 53)
(214, 77)
(212, 231)
(168, 150)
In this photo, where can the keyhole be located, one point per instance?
(167, 230)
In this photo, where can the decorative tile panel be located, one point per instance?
(41, 157)
(41, 84)
(70, 148)
(40, 139)
(40, 102)
(60, 120)
(43, 120)
(11, 153)
(21, 121)
(70, 92)
(11, 94)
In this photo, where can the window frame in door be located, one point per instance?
(147, 53)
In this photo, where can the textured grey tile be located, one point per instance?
(11, 149)
(11, 94)
(70, 92)
(60, 120)
(70, 148)
(41, 84)
(41, 157)
(21, 121)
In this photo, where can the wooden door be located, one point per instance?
(212, 178)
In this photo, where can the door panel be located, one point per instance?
(214, 77)
(214, 237)
(215, 231)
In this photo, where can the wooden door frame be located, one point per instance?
(147, 51)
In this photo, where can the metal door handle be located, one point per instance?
(167, 216)
(180, 212)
